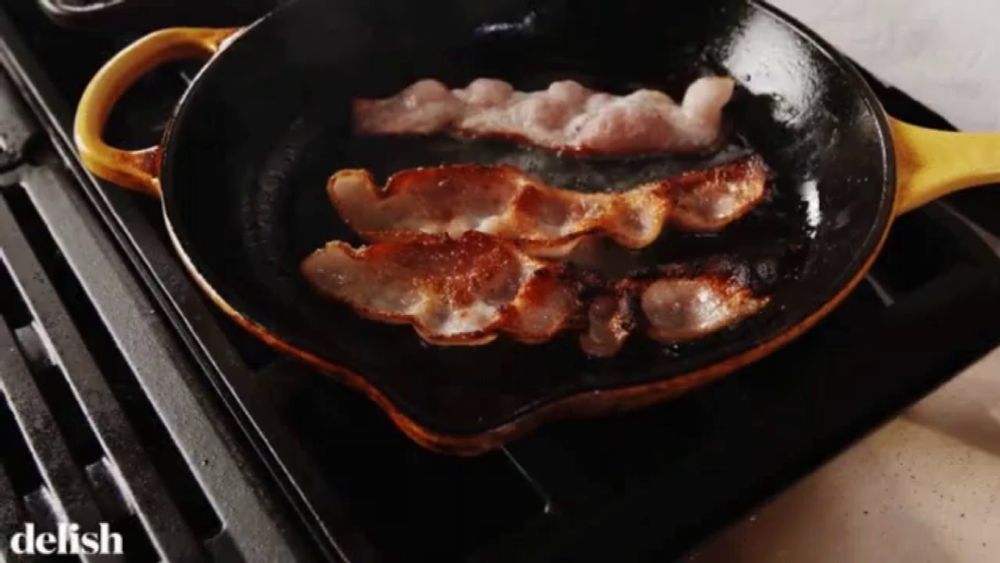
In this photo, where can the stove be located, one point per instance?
(128, 399)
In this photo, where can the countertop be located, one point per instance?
(926, 485)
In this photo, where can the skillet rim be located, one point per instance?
(585, 402)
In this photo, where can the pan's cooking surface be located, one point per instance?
(246, 164)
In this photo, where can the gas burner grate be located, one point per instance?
(85, 441)
(56, 407)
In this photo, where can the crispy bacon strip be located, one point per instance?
(566, 116)
(467, 291)
(453, 291)
(544, 220)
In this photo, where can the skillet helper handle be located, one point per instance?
(931, 163)
(135, 169)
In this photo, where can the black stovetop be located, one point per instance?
(344, 482)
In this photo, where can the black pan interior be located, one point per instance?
(266, 123)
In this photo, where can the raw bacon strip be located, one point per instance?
(566, 116)
(544, 220)
(467, 291)
(453, 291)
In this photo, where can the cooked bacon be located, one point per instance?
(610, 321)
(466, 291)
(708, 200)
(681, 309)
(566, 116)
(453, 291)
(545, 221)
(674, 309)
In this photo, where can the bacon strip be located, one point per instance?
(566, 116)
(544, 220)
(682, 309)
(467, 291)
(453, 291)
(674, 309)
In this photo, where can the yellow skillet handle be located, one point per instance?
(932, 163)
(136, 169)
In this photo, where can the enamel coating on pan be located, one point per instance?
(242, 168)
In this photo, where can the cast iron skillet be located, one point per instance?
(241, 174)
(143, 15)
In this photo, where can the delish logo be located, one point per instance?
(67, 540)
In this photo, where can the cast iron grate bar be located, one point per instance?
(134, 536)
(104, 480)
(38, 507)
(12, 308)
(73, 365)
(883, 294)
(83, 446)
(543, 463)
(11, 511)
(70, 495)
(21, 473)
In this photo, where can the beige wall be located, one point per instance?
(944, 52)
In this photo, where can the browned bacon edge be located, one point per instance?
(700, 200)
(548, 298)
(542, 299)
(671, 307)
